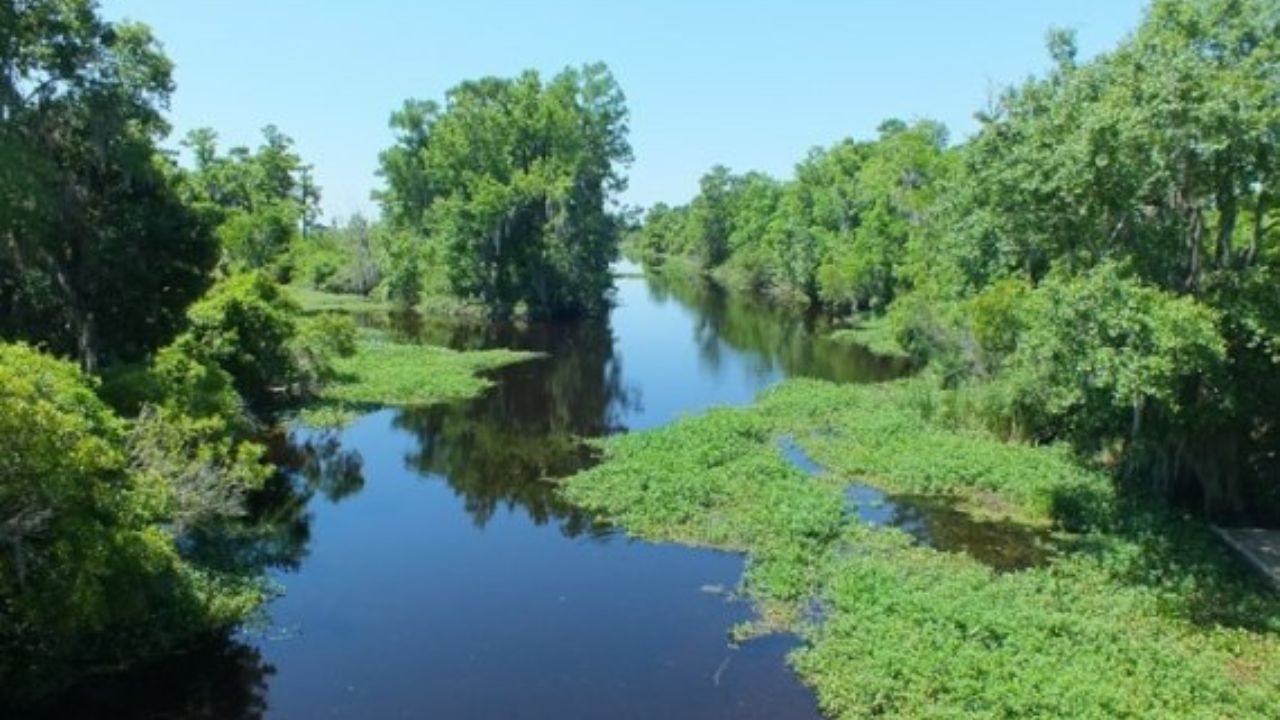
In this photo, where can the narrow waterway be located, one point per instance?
(430, 570)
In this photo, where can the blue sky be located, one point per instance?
(751, 85)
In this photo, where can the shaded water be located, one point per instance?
(935, 522)
(430, 570)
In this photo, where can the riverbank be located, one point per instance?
(1133, 613)
(385, 372)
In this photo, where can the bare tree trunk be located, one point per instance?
(1226, 228)
(83, 323)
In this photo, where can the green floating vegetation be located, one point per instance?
(713, 481)
(317, 301)
(898, 436)
(383, 373)
(1140, 614)
(875, 334)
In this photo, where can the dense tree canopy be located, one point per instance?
(510, 182)
(98, 253)
(1106, 249)
(114, 472)
(838, 233)
(260, 200)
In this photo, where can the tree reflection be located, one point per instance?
(223, 676)
(219, 677)
(503, 448)
(776, 338)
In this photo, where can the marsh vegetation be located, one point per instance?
(929, 429)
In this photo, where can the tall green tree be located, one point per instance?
(512, 180)
(261, 201)
(98, 253)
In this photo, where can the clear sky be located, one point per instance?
(748, 84)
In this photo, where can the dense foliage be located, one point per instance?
(260, 200)
(99, 255)
(838, 233)
(1137, 614)
(505, 189)
(1103, 255)
(95, 512)
(115, 474)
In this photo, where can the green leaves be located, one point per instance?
(1101, 348)
(93, 510)
(510, 180)
(98, 253)
(259, 200)
(245, 325)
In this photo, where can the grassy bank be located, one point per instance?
(1139, 614)
(313, 301)
(385, 373)
(876, 335)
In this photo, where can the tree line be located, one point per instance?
(145, 343)
(148, 334)
(1099, 264)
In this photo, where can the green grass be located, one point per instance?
(433, 305)
(1141, 613)
(315, 301)
(386, 374)
(874, 334)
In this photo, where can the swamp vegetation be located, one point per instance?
(966, 410)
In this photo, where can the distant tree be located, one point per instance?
(259, 200)
(511, 180)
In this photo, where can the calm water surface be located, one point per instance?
(431, 571)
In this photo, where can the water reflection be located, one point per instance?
(776, 338)
(431, 569)
(531, 427)
(219, 678)
(1002, 545)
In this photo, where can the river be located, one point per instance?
(429, 569)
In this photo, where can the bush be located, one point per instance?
(92, 574)
(246, 325)
(320, 341)
(1102, 351)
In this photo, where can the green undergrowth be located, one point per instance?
(383, 373)
(1139, 614)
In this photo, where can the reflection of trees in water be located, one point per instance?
(223, 677)
(276, 530)
(501, 448)
(219, 677)
(774, 337)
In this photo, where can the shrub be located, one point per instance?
(246, 325)
(92, 574)
(320, 341)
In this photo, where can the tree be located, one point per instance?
(246, 325)
(511, 179)
(94, 518)
(260, 200)
(98, 253)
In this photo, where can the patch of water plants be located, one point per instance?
(385, 373)
(1135, 613)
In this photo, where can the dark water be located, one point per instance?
(933, 521)
(430, 570)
